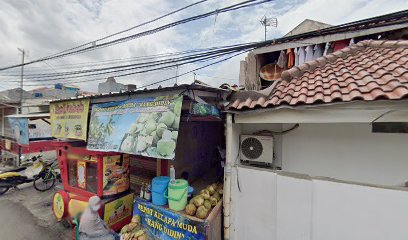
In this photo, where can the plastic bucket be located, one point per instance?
(159, 190)
(178, 192)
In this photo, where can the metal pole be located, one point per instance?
(21, 80)
(20, 111)
(265, 31)
(176, 74)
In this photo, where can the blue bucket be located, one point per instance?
(159, 190)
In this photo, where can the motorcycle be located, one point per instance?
(39, 172)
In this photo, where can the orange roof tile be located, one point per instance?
(368, 70)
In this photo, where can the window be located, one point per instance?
(91, 181)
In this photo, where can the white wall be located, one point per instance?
(347, 151)
(283, 206)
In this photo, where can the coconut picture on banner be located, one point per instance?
(147, 127)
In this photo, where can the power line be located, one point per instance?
(99, 71)
(196, 69)
(145, 33)
(142, 71)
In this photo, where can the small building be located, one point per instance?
(110, 85)
(264, 64)
(334, 132)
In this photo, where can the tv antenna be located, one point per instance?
(269, 22)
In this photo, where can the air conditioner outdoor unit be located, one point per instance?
(256, 149)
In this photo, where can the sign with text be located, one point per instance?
(166, 224)
(69, 119)
(147, 126)
(118, 209)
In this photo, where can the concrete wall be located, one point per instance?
(284, 206)
(348, 152)
(345, 151)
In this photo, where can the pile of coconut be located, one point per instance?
(133, 230)
(201, 205)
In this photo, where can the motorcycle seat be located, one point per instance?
(9, 174)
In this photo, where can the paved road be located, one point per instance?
(26, 215)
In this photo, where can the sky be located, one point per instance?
(45, 27)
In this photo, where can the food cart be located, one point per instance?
(88, 173)
(154, 129)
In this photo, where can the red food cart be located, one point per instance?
(87, 173)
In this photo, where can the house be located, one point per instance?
(339, 128)
(315, 34)
(110, 85)
(307, 25)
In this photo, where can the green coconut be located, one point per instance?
(177, 108)
(166, 147)
(207, 204)
(205, 195)
(211, 189)
(213, 201)
(198, 201)
(155, 138)
(217, 196)
(202, 212)
(191, 209)
(174, 135)
(141, 144)
(150, 126)
(137, 219)
(167, 135)
(167, 118)
(160, 129)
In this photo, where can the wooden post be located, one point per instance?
(158, 167)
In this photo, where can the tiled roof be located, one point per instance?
(368, 70)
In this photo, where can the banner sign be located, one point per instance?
(17, 130)
(69, 119)
(115, 174)
(118, 210)
(147, 127)
(166, 224)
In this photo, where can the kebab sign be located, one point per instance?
(69, 119)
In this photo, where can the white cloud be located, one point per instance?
(48, 26)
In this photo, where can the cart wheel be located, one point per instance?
(43, 183)
(3, 190)
(66, 223)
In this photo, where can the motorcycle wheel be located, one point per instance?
(43, 182)
(3, 190)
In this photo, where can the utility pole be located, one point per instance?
(269, 22)
(20, 111)
(21, 79)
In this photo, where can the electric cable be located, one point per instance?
(233, 7)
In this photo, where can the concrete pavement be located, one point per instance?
(27, 215)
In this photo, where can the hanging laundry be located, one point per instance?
(296, 53)
(326, 49)
(318, 51)
(309, 53)
(338, 45)
(291, 57)
(282, 60)
(351, 42)
(302, 55)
